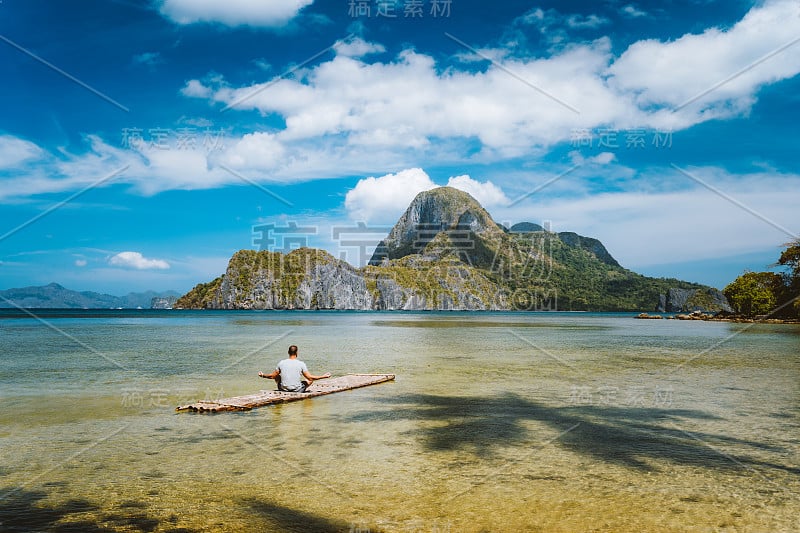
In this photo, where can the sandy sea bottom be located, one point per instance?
(496, 422)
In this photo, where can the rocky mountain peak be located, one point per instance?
(443, 209)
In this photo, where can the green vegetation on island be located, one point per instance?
(755, 294)
(446, 252)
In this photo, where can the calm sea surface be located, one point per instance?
(496, 422)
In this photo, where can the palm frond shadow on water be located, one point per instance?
(636, 437)
(27, 510)
(292, 520)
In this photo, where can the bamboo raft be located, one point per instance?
(260, 399)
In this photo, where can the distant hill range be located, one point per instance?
(54, 296)
(446, 253)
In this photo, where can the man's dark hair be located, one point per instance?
(292, 350)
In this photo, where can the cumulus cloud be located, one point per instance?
(137, 261)
(603, 158)
(195, 89)
(358, 47)
(80, 262)
(487, 193)
(384, 199)
(267, 13)
(356, 114)
(410, 102)
(254, 150)
(715, 73)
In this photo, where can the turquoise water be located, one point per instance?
(496, 422)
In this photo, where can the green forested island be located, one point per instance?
(446, 253)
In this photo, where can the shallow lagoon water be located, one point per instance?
(496, 422)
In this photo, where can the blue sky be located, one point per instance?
(142, 142)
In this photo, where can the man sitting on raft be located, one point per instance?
(289, 373)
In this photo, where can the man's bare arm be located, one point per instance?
(272, 375)
(311, 377)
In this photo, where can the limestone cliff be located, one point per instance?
(302, 279)
(314, 279)
(163, 302)
(677, 300)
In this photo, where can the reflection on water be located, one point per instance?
(496, 422)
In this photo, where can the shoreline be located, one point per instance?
(705, 317)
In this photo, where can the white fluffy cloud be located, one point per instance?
(385, 198)
(195, 89)
(358, 47)
(487, 193)
(349, 116)
(721, 69)
(137, 261)
(254, 150)
(410, 102)
(268, 13)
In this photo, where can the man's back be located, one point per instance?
(292, 374)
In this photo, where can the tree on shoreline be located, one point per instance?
(754, 293)
(763, 293)
(790, 258)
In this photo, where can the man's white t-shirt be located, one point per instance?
(292, 374)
